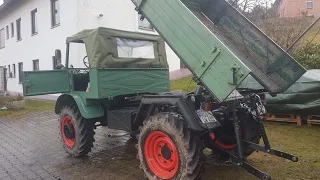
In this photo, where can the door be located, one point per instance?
(46, 82)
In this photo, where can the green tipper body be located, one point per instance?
(219, 45)
(202, 52)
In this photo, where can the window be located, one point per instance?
(182, 65)
(19, 29)
(14, 70)
(12, 30)
(34, 25)
(20, 66)
(309, 4)
(7, 30)
(9, 72)
(2, 39)
(55, 13)
(129, 48)
(144, 24)
(36, 65)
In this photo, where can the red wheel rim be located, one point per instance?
(228, 146)
(161, 155)
(70, 142)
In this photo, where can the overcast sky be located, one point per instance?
(1, 1)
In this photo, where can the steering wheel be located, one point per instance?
(86, 63)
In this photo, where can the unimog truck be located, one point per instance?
(126, 87)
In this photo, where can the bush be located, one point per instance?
(4, 100)
(308, 56)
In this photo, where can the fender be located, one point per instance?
(188, 112)
(87, 111)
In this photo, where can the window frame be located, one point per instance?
(122, 48)
(54, 11)
(20, 69)
(14, 70)
(34, 63)
(34, 24)
(18, 26)
(7, 32)
(182, 65)
(12, 30)
(145, 20)
(309, 3)
(2, 34)
(9, 71)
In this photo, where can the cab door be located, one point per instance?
(46, 82)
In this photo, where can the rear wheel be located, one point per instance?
(76, 132)
(226, 139)
(168, 150)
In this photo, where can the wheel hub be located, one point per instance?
(69, 131)
(161, 155)
(166, 152)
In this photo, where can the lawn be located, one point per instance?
(30, 106)
(186, 84)
(301, 141)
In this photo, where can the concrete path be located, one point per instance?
(31, 149)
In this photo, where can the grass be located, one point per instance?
(30, 106)
(186, 84)
(301, 141)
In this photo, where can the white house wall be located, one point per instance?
(40, 46)
(75, 15)
(117, 14)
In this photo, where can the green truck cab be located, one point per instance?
(118, 63)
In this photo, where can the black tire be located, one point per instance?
(189, 147)
(249, 131)
(134, 134)
(83, 132)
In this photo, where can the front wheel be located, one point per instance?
(76, 132)
(167, 149)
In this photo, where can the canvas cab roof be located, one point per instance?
(111, 48)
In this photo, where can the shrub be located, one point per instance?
(308, 56)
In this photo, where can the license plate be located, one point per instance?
(206, 117)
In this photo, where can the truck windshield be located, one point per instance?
(132, 48)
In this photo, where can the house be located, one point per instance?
(297, 8)
(31, 31)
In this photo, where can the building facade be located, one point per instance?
(297, 8)
(31, 31)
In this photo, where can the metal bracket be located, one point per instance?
(271, 151)
(205, 65)
(236, 74)
(244, 164)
